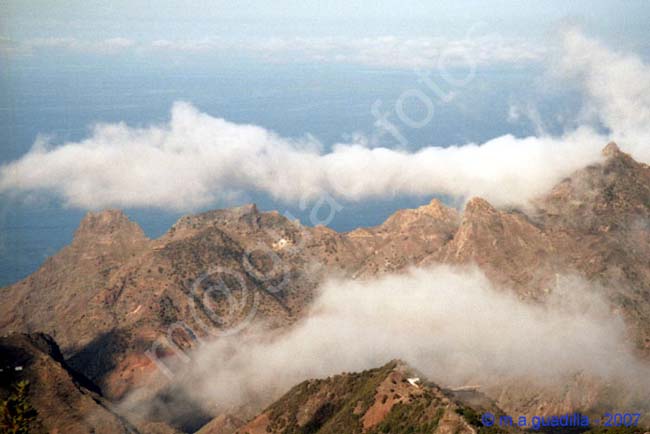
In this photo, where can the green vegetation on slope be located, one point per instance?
(16, 412)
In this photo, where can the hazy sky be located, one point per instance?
(623, 23)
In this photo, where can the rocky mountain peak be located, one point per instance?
(248, 214)
(611, 150)
(247, 209)
(617, 160)
(108, 222)
(477, 206)
(189, 225)
(432, 213)
(614, 193)
(437, 210)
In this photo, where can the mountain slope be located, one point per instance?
(64, 401)
(389, 399)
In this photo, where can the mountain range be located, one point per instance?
(119, 304)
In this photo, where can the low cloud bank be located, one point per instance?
(397, 52)
(197, 160)
(450, 323)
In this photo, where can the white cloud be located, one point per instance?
(530, 113)
(117, 43)
(11, 47)
(191, 46)
(196, 160)
(398, 52)
(450, 323)
(385, 51)
(617, 85)
(106, 46)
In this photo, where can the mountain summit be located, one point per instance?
(390, 399)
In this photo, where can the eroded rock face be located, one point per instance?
(509, 248)
(68, 296)
(112, 293)
(405, 238)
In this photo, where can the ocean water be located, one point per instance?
(330, 102)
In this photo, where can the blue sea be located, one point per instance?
(62, 99)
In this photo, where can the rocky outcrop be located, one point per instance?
(509, 248)
(405, 238)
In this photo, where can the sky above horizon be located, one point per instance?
(281, 31)
(140, 20)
